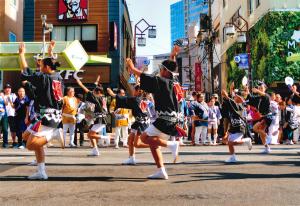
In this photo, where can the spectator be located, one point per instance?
(214, 116)
(10, 98)
(4, 120)
(200, 120)
(69, 111)
(21, 106)
(122, 121)
(291, 122)
(81, 122)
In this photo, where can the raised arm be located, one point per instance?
(294, 90)
(110, 92)
(50, 49)
(23, 62)
(131, 67)
(86, 90)
(174, 52)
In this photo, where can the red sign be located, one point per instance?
(72, 9)
(198, 77)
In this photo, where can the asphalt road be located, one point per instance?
(200, 178)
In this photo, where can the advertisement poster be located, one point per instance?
(72, 9)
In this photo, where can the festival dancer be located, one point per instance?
(237, 125)
(166, 94)
(139, 109)
(48, 100)
(261, 102)
(95, 100)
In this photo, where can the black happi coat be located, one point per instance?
(166, 103)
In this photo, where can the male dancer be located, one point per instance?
(261, 102)
(47, 103)
(99, 119)
(167, 107)
(142, 120)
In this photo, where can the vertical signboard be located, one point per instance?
(198, 76)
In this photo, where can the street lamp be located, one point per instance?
(243, 37)
(140, 32)
(47, 28)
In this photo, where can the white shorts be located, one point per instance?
(98, 127)
(44, 131)
(212, 125)
(236, 137)
(152, 131)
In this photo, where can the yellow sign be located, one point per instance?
(71, 55)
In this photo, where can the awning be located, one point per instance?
(293, 58)
(99, 59)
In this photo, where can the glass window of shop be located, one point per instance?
(86, 34)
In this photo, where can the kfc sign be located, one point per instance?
(72, 10)
(67, 74)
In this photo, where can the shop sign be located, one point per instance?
(295, 40)
(72, 10)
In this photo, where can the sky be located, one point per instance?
(155, 12)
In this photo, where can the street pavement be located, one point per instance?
(200, 178)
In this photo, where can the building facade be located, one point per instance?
(268, 21)
(119, 15)
(177, 21)
(104, 30)
(11, 30)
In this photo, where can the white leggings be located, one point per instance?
(71, 128)
(201, 130)
(124, 130)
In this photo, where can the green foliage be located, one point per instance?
(269, 48)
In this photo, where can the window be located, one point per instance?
(86, 34)
(224, 3)
(13, 3)
(250, 8)
(257, 3)
(12, 37)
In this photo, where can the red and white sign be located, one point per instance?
(198, 77)
(72, 10)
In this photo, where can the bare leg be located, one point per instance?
(130, 142)
(40, 155)
(138, 143)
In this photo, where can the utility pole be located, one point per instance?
(211, 46)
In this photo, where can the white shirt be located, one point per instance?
(10, 99)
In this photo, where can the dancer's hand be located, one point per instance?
(254, 90)
(129, 64)
(110, 92)
(22, 48)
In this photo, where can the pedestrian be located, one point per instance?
(10, 98)
(237, 125)
(291, 122)
(95, 104)
(139, 107)
(69, 111)
(49, 87)
(167, 107)
(21, 106)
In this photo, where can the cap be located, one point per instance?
(7, 86)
